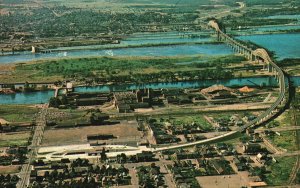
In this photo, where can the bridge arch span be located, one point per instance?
(265, 116)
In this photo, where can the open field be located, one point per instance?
(197, 119)
(232, 181)
(68, 117)
(79, 135)
(280, 171)
(17, 113)
(286, 140)
(9, 169)
(10, 139)
(130, 69)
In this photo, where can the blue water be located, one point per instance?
(169, 40)
(258, 81)
(207, 49)
(44, 96)
(26, 98)
(284, 45)
(167, 34)
(149, 38)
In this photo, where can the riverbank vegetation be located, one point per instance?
(127, 70)
(291, 66)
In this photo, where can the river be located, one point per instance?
(44, 96)
(284, 45)
(190, 49)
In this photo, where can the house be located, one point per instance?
(201, 162)
(124, 108)
(186, 155)
(219, 169)
(240, 164)
(252, 148)
(145, 156)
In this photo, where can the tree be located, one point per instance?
(103, 155)
(54, 102)
(54, 174)
(122, 158)
(64, 100)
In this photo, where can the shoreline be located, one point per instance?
(141, 84)
(114, 47)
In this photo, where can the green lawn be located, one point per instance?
(6, 143)
(197, 119)
(280, 171)
(17, 113)
(18, 139)
(286, 140)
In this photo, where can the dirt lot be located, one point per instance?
(78, 135)
(232, 181)
(9, 169)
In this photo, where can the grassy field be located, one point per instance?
(105, 68)
(198, 119)
(280, 171)
(17, 113)
(18, 139)
(286, 140)
(68, 117)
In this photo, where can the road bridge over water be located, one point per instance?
(257, 54)
(261, 55)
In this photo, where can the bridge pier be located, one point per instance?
(270, 68)
(260, 56)
(218, 34)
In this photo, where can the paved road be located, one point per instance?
(36, 141)
(196, 110)
(279, 129)
(287, 154)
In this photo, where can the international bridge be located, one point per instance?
(259, 55)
